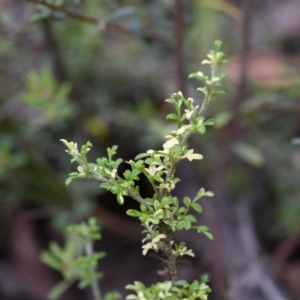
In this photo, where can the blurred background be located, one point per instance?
(100, 70)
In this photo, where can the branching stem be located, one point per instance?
(95, 287)
(165, 245)
(134, 195)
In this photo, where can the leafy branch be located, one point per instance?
(162, 215)
(77, 261)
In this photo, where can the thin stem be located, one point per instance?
(95, 287)
(134, 195)
(151, 182)
(147, 35)
(71, 13)
(189, 133)
(137, 197)
(166, 247)
(171, 261)
(209, 89)
(54, 50)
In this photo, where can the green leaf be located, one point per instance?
(106, 185)
(58, 290)
(112, 151)
(223, 118)
(183, 283)
(218, 45)
(143, 208)
(198, 75)
(55, 249)
(176, 202)
(151, 160)
(199, 194)
(209, 235)
(138, 286)
(178, 96)
(201, 129)
(115, 164)
(187, 224)
(172, 116)
(182, 210)
(151, 200)
(197, 207)
(158, 215)
(180, 225)
(49, 259)
(84, 283)
(217, 93)
(187, 201)
(203, 193)
(127, 175)
(132, 297)
(120, 199)
(183, 117)
(203, 228)
(175, 149)
(172, 101)
(191, 218)
(202, 89)
(135, 173)
(250, 154)
(209, 122)
(199, 120)
(156, 205)
(165, 201)
(133, 213)
(69, 180)
(142, 155)
(112, 295)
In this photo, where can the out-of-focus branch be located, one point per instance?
(245, 37)
(53, 49)
(103, 25)
(81, 17)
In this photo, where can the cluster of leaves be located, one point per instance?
(45, 95)
(76, 260)
(162, 208)
(166, 290)
(9, 158)
(169, 212)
